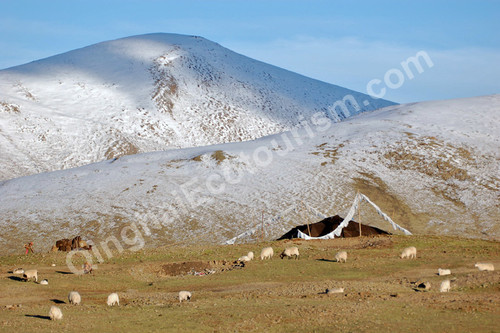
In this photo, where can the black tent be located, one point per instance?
(329, 224)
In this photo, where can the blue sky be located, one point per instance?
(348, 43)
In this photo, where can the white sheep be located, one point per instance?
(31, 273)
(74, 298)
(250, 255)
(445, 286)
(341, 256)
(18, 271)
(44, 281)
(266, 253)
(444, 271)
(244, 258)
(290, 252)
(113, 299)
(485, 267)
(184, 296)
(55, 313)
(335, 291)
(409, 252)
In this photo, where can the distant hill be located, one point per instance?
(148, 93)
(432, 166)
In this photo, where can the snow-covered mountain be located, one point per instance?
(148, 93)
(432, 166)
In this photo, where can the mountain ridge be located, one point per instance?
(151, 92)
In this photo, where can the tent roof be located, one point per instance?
(329, 224)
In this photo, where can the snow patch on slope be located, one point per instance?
(432, 166)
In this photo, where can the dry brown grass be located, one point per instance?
(450, 195)
(197, 158)
(272, 296)
(25, 92)
(219, 156)
(120, 148)
(330, 153)
(166, 86)
(174, 163)
(10, 108)
(430, 156)
(377, 190)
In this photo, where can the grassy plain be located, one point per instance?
(264, 296)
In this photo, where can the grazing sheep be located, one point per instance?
(74, 298)
(45, 281)
(18, 271)
(444, 271)
(334, 291)
(290, 252)
(266, 253)
(113, 299)
(31, 273)
(485, 267)
(445, 286)
(55, 313)
(341, 256)
(250, 255)
(244, 258)
(409, 252)
(184, 296)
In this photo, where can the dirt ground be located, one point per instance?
(274, 295)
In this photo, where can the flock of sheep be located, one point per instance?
(411, 253)
(341, 256)
(74, 297)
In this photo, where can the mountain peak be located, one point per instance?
(152, 92)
